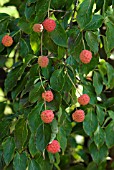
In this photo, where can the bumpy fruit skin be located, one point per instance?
(49, 24)
(37, 27)
(85, 56)
(53, 147)
(43, 61)
(78, 116)
(48, 96)
(47, 116)
(84, 99)
(7, 41)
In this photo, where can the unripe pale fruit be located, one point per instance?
(43, 61)
(49, 24)
(47, 116)
(37, 27)
(85, 56)
(78, 116)
(53, 147)
(48, 96)
(7, 41)
(84, 99)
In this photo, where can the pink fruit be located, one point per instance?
(43, 61)
(47, 116)
(37, 27)
(48, 96)
(84, 99)
(7, 41)
(49, 24)
(53, 147)
(85, 56)
(78, 116)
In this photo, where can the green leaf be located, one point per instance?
(97, 83)
(89, 89)
(20, 161)
(99, 5)
(110, 35)
(92, 166)
(8, 149)
(111, 114)
(98, 155)
(109, 102)
(75, 38)
(32, 147)
(36, 93)
(100, 114)
(92, 40)
(24, 25)
(61, 136)
(4, 125)
(54, 128)
(33, 165)
(20, 133)
(29, 10)
(48, 43)
(24, 49)
(57, 80)
(4, 16)
(42, 139)
(45, 164)
(61, 52)
(95, 23)
(59, 36)
(109, 130)
(58, 4)
(84, 14)
(110, 74)
(35, 42)
(4, 25)
(99, 137)
(90, 123)
(19, 88)
(1, 45)
(41, 10)
(32, 77)
(34, 119)
(15, 74)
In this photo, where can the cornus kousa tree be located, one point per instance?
(57, 85)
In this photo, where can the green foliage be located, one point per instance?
(83, 24)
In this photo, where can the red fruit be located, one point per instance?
(85, 56)
(7, 41)
(84, 99)
(53, 147)
(48, 96)
(49, 24)
(47, 116)
(37, 27)
(43, 61)
(78, 116)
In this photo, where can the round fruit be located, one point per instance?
(47, 116)
(84, 99)
(53, 147)
(37, 27)
(49, 24)
(85, 56)
(43, 61)
(7, 41)
(48, 96)
(78, 116)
